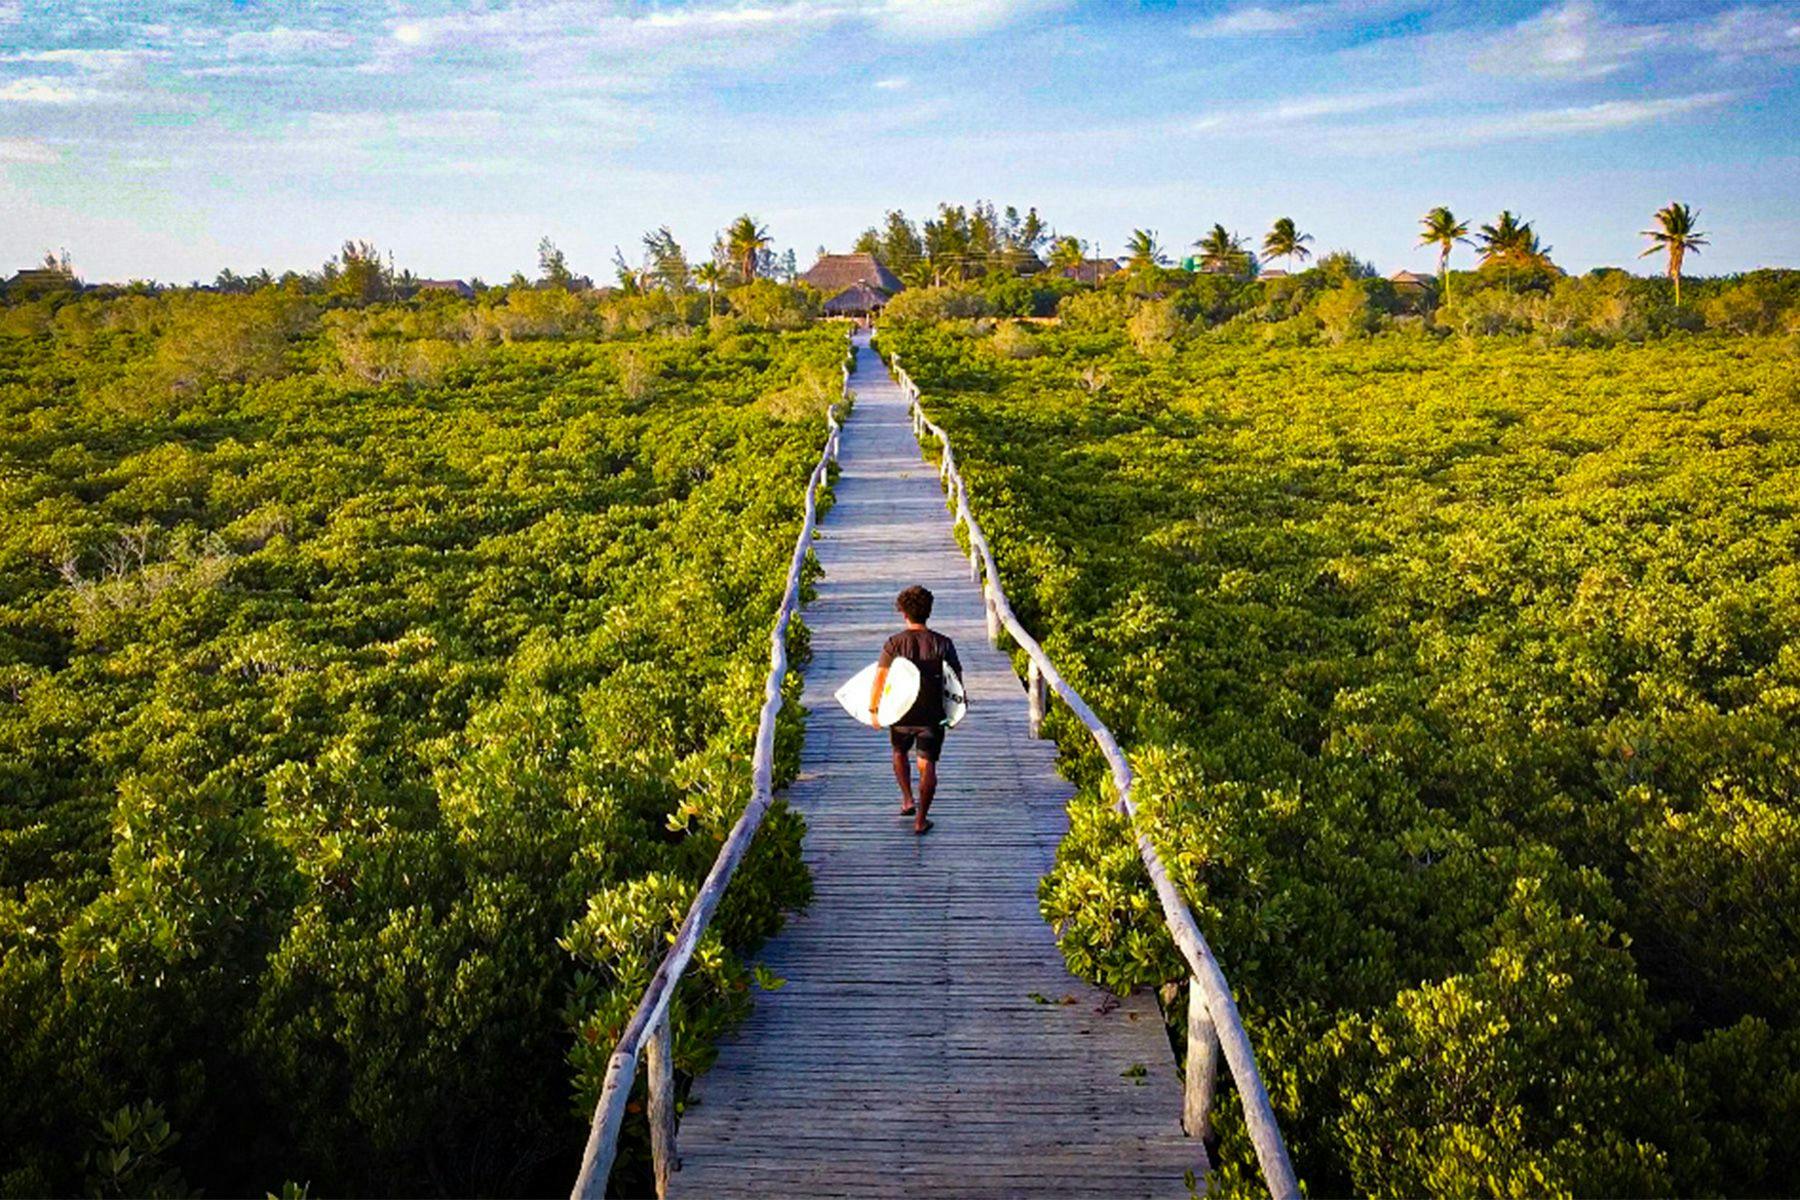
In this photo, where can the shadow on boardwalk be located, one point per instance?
(907, 1054)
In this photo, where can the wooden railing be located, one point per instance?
(1213, 1023)
(647, 1033)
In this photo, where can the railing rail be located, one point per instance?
(1213, 1023)
(647, 1033)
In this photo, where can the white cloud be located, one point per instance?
(1576, 41)
(1527, 125)
(1256, 20)
(1303, 110)
(935, 19)
(45, 91)
(10, 11)
(26, 150)
(746, 16)
(892, 83)
(1744, 32)
(283, 42)
(99, 61)
(1242, 22)
(1591, 118)
(424, 124)
(410, 33)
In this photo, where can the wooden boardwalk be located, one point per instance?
(911, 1052)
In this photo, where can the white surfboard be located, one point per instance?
(956, 701)
(897, 695)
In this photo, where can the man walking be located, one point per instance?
(923, 725)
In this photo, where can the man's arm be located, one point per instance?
(875, 696)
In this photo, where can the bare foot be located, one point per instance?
(923, 827)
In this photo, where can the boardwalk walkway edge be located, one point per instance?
(1213, 1019)
(648, 1030)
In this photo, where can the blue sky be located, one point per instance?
(167, 140)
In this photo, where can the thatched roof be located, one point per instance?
(39, 280)
(855, 301)
(1020, 262)
(835, 272)
(1091, 270)
(1271, 273)
(446, 285)
(1411, 279)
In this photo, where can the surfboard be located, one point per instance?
(956, 701)
(901, 689)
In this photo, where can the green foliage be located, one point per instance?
(1341, 298)
(928, 305)
(1460, 681)
(365, 716)
(1155, 327)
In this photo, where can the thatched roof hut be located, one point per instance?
(857, 300)
(1091, 270)
(1403, 280)
(1019, 261)
(39, 281)
(833, 273)
(455, 286)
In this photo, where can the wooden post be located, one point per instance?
(659, 1068)
(1035, 695)
(993, 612)
(974, 564)
(1202, 1066)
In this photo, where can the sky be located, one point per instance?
(167, 140)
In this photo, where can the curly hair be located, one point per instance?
(914, 604)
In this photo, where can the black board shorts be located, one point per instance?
(929, 741)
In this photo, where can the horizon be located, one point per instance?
(454, 136)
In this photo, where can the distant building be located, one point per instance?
(40, 281)
(1020, 262)
(1091, 270)
(446, 285)
(1411, 281)
(1271, 273)
(857, 300)
(836, 273)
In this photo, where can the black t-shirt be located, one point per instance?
(929, 650)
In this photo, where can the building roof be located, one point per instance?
(446, 285)
(1411, 278)
(41, 279)
(855, 300)
(1091, 270)
(835, 272)
(1020, 261)
(1271, 273)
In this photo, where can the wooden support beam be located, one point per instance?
(1036, 697)
(1202, 1065)
(659, 1070)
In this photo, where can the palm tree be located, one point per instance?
(711, 274)
(1287, 243)
(1144, 250)
(745, 239)
(1066, 252)
(1675, 235)
(1223, 252)
(917, 274)
(1504, 238)
(1440, 228)
(1510, 244)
